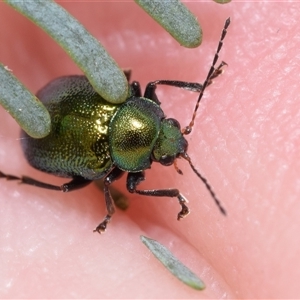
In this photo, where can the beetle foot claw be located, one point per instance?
(102, 226)
(184, 212)
(184, 209)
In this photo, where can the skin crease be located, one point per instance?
(244, 142)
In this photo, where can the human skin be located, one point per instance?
(244, 142)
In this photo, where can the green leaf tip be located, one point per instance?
(23, 106)
(175, 18)
(85, 50)
(177, 268)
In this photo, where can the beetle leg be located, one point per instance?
(191, 86)
(76, 183)
(133, 179)
(114, 175)
(151, 87)
(150, 92)
(136, 89)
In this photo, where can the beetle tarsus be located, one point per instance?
(102, 226)
(184, 209)
(184, 212)
(114, 175)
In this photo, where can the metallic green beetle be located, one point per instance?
(91, 138)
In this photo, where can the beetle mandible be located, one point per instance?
(91, 138)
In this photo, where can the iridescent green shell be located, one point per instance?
(133, 132)
(78, 143)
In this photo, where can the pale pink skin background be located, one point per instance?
(245, 141)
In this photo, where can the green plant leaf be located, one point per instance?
(85, 50)
(175, 18)
(23, 106)
(177, 268)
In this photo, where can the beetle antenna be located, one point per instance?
(188, 129)
(176, 167)
(204, 180)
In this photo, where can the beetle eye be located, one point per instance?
(167, 160)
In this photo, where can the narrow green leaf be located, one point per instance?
(99, 67)
(175, 18)
(23, 106)
(177, 268)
